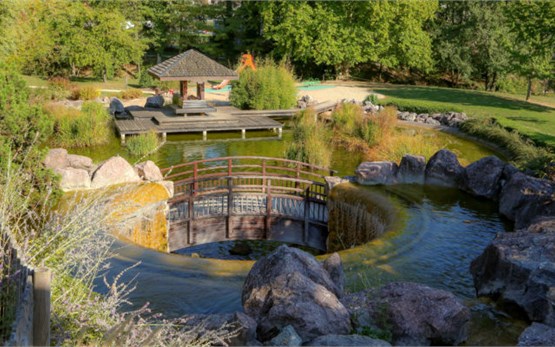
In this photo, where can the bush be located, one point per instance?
(310, 143)
(59, 88)
(73, 128)
(270, 87)
(143, 144)
(373, 98)
(85, 93)
(418, 106)
(349, 121)
(130, 94)
(146, 80)
(524, 153)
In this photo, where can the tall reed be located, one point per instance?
(311, 140)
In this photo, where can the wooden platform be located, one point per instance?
(318, 108)
(165, 121)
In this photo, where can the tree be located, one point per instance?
(533, 23)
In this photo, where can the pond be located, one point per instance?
(438, 233)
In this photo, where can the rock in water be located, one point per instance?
(114, 171)
(523, 199)
(80, 162)
(156, 101)
(376, 172)
(518, 269)
(414, 314)
(149, 171)
(347, 340)
(290, 287)
(443, 169)
(287, 337)
(56, 159)
(411, 169)
(483, 177)
(537, 335)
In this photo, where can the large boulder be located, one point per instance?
(290, 287)
(114, 171)
(156, 101)
(518, 269)
(411, 169)
(523, 199)
(413, 313)
(376, 172)
(56, 159)
(483, 178)
(443, 169)
(287, 337)
(243, 325)
(347, 340)
(149, 171)
(116, 107)
(72, 179)
(334, 267)
(80, 162)
(537, 335)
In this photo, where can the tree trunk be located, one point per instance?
(380, 73)
(529, 92)
(493, 82)
(105, 76)
(486, 81)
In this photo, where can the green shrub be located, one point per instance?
(143, 144)
(311, 140)
(132, 93)
(146, 80)
(524, 153)
(418, 106)
(59, 88)
(270, 87)
(373, 98)
(73, 128)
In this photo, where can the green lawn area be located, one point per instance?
(535, 120)
(97, 83)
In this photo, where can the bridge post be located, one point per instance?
(191, 214)
(229, 198)
(264, 176)
(267, 225)
(243, 134)
(306, 214)
(195, 177)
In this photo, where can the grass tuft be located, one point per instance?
(311, 140)
(143, 144)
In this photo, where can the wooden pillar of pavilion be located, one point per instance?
(183, 89)
(200, 90)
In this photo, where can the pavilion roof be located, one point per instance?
(191, 66)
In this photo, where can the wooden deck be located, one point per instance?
(318, 108)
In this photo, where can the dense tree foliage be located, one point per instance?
(457, 41)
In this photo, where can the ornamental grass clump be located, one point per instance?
(311, 140)
(143, 144)
(270, 87)
(90, 126)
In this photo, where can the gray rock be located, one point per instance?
(156, 101)
(411, 169)
(169, 187)
(537, 335)
(116, 107)
(80, 162)
(287, 337)
(290, 287)
(115, 170)
(483, 178)
(431, 121)
(73, 179)
(518, 269)
(334, 267)
(56, 159)
(332, 181)
(376, 172)
(414, 314)
(443, 169)
(347, 340)
(525, 198)
(149, 171)
(238, 321)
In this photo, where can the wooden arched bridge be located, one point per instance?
(245, 197)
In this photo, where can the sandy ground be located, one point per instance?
(341, 90)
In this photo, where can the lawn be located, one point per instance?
(115, 84)
(535, 120)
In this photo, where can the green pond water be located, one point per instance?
(437, 234)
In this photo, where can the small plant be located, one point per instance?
(59, 88)
(132, 93)
(143, 144)
(270, 87)
(85, 93)
(419, 106)
(311, 140)
(373, 98)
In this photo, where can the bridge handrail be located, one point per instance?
(197, 167)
